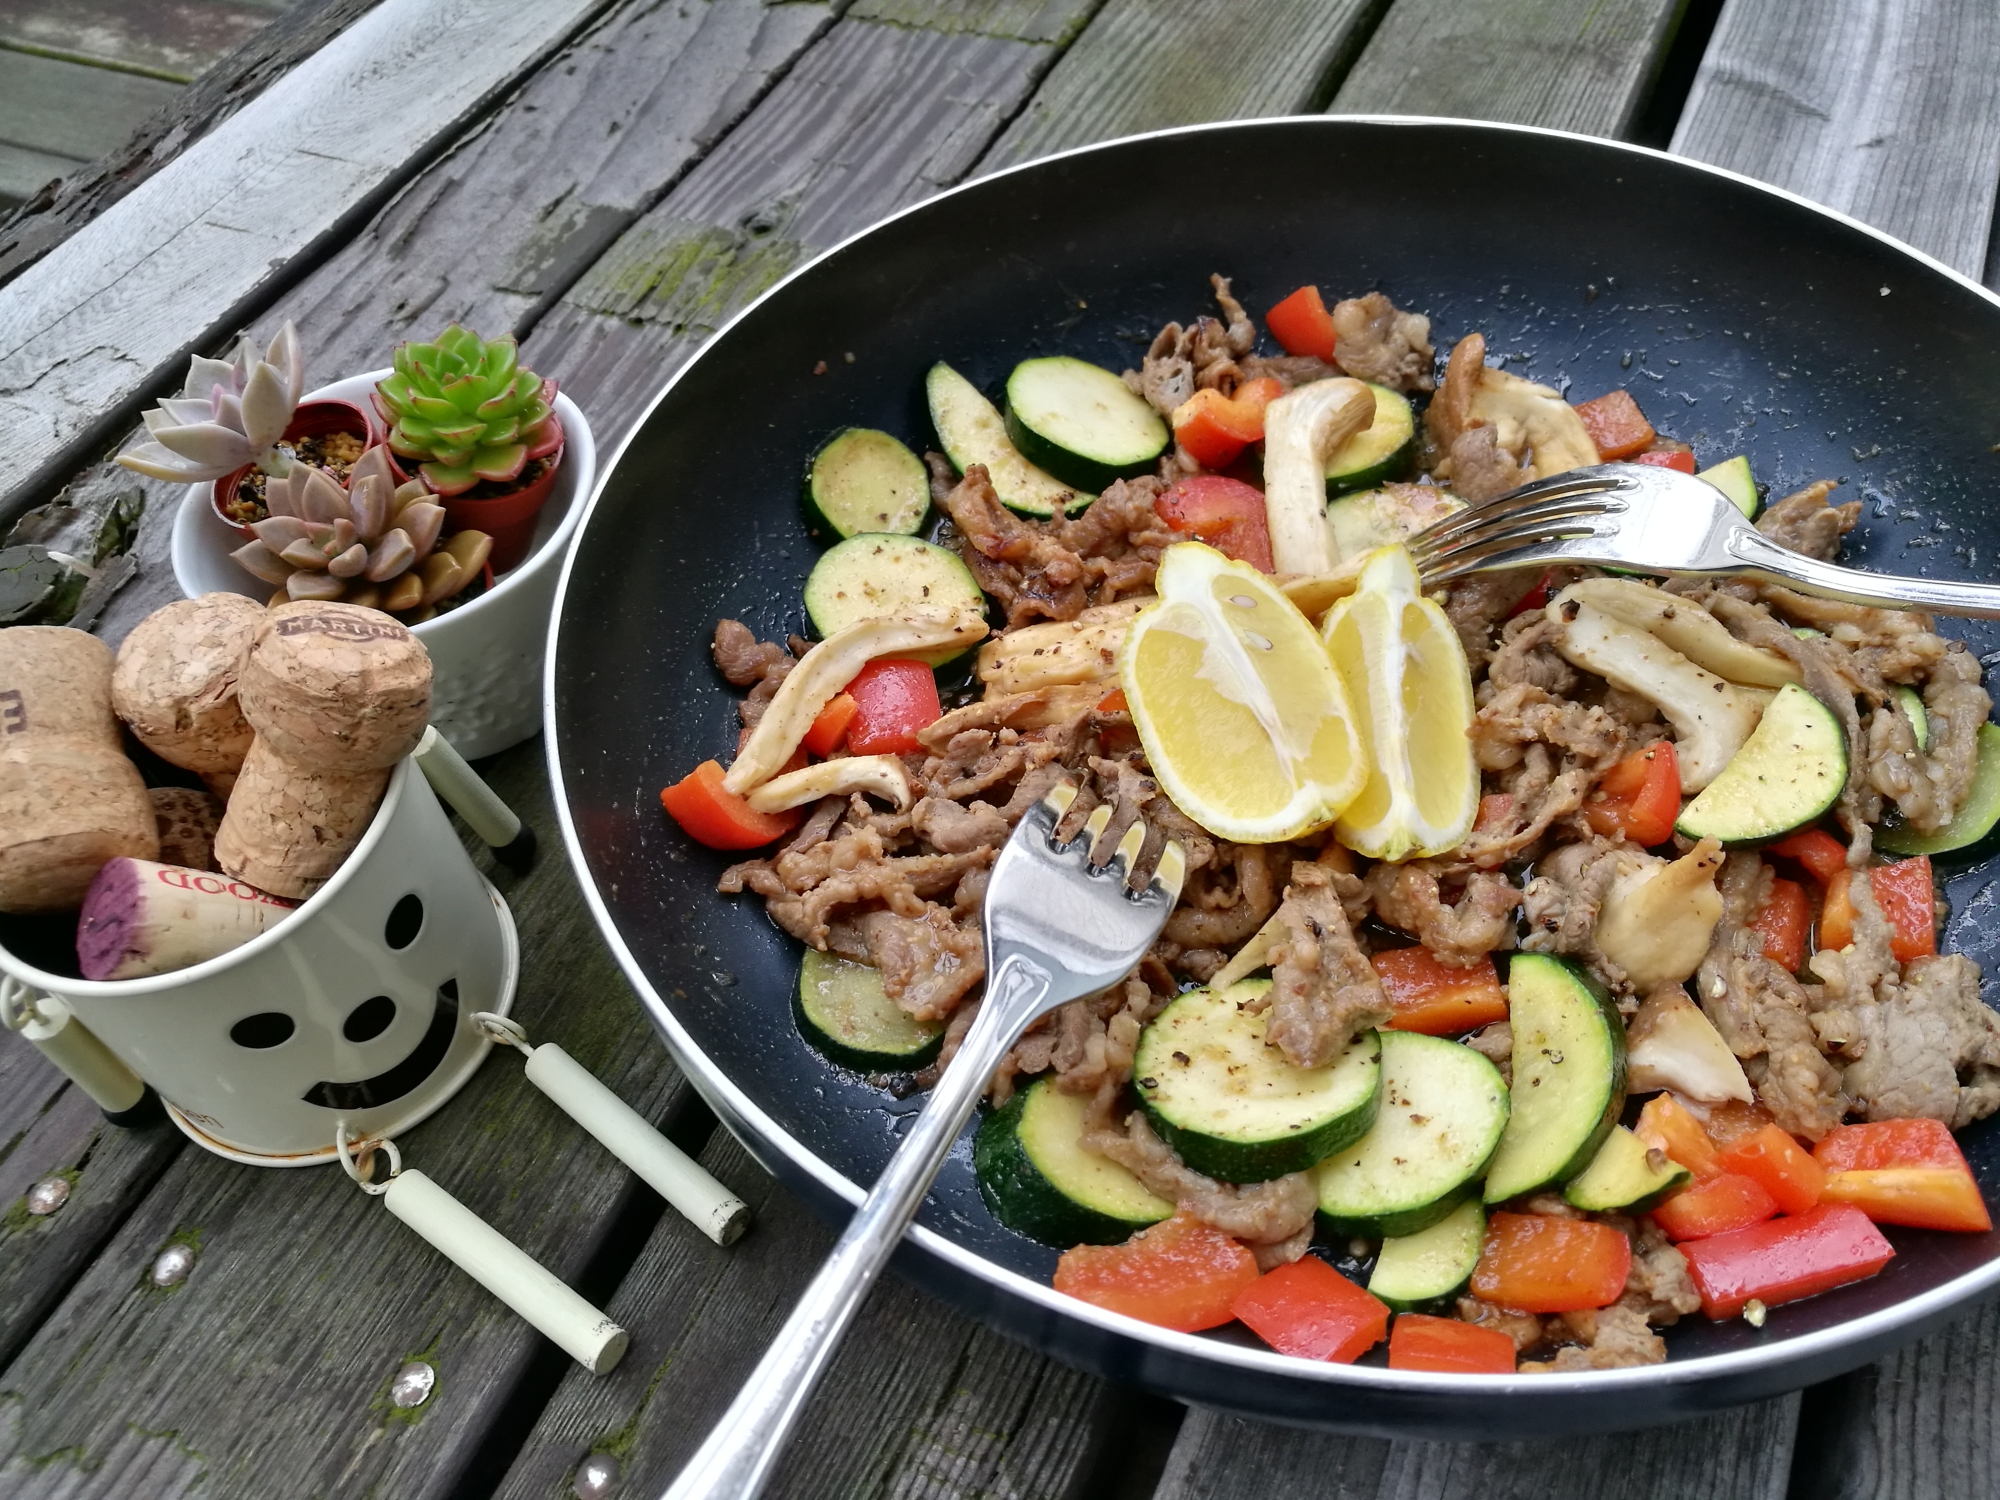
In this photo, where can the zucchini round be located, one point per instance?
(1732, 476)
(1422, 1269)
(1443, 1110)
(879, 577)
(1231, 1107)
(1786, 774)
(1975, 820)
(1623, 1177)
(862, 480)
(1381, 451)
(842, 1010)
(1082, 423)
(1569, 1075)
(971, 431)
(1039, 1180)
(1912, 702)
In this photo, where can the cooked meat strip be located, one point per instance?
(1525, 658)
(1014, 559)
(1927, 1046)
(1377, 342)
(1294, 370)
(928, 963)
(955, 829)
(1481, 469)
(1658, 1286)
(1495, 1043)
(1241, 334)
(1525, 1329)
(1218, 913)
(1611, 1338)
(1524, 714)
(1096, 1036)
(1930, 786)
(1323, 989)
(741, 657)
(1477, 605)
(1407, 897)
(1204, 355)
(1563, 900)
(1805, 523)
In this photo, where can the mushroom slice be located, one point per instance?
(1059, 652)
(1301, 431)
(1534, 423)
(1689, 629)
(878, 775)
(1657, 917)
(1670, 1044)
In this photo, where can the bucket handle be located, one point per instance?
(452, 778)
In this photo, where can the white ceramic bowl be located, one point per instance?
(486, 656)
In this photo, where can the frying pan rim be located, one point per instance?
(1819, 1350)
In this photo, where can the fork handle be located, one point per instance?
(738, 1455)
(1759, 554)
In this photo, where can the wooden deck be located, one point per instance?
(663, 161)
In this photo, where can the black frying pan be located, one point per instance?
(1743, 320)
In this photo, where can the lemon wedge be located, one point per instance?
(1243, 718)
(1406, 676)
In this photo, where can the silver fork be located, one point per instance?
(1058, 927)
(1658, 521)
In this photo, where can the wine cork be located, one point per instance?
(286, 831)
(143, 918)
(69, 799)
(175, 683)
(188, 818)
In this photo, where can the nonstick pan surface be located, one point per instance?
(1744, 320)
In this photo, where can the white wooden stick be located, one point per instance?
(88, 1063)
(507, 1271)
(707, 1204)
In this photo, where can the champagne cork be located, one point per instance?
(143, 918)
(337, 694)
(188, 818)
(69, 799)
(175, 684)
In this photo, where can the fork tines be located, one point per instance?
(1122, 862)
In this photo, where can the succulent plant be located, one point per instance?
(231, 413)
(466, 411)
(373, 543)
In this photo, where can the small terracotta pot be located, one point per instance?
(309, 419)
(509, 519)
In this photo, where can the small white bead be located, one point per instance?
(171, 1265)
(413, 1385)
(596, 1477)
(48, 1195)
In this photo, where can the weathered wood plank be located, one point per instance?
(1923, 1422)
(1573, 64)
(1738, 1455)
(1885, 109)
(231, 82)
(1148, 64)
(169, 39)
(271, 1362)
(89, 333)
(23, 173)
(70, 109)
(918, 1400)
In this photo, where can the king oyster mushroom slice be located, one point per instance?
(1670, 1044)
(1658, 917)
(1689, 629)
(1301, 431)
(880, 776)
(1534, 423)
(1711, 718)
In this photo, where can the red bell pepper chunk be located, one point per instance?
(1213, 428)
(1726, 1201)
(830, 728)
(1537, 598)
(1178, 1274)
(1923, 1197)
(1665, 1124)
(719, 818)
(1907, 897)
(1639, 797)
(1782, 922)
(1436, 998)
(1302, 324)
(1616, 425)
(1778, 1164)
(893, 699)
(1782, 1260)
(1537, 1264)
(1449, 1347)
(1666, 458)
(1819, 851)
(1226, 513)
(1309, 1309)
(1495, 810)
(1114, 702)
(1889, 1143)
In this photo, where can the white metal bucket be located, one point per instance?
(354, 1013)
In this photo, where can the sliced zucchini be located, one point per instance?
(1381, 451)
(880, 577)
(1569, 1075)
(1786, 774)
(1974, 821)
(1417, 1270)
(1443, 1110)
(971, 431)
(1082, 423)
(865, 481)
(1368, 519)
(1732, 476)
(1039, 1179)
(843, 1012)
(1231, 1107)
(1624, 1177)
(1919, 716)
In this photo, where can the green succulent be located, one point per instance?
(463, 407)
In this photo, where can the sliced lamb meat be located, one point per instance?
(1375, 341)
(1805, 523)
(1483, 470)
(1204, 355)
(1658, 1287)
(928, 963)
(952, 828)
(1525, 657)
(741, 657)
(1323, 989)
(1220, 913)
(1495, 1043)
(1563, 900)
(1611, 1338)
(1241, 334)
(1407, 897)
(1928, 1047)
(1524, 714)
(1929, 786)
(1477, 605)
(1165, 377)
(818, 824)
(1095, 1037)
(1032, 575)
(1293, 370)
(1525, 1329)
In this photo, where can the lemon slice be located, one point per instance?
(1243, 718)
(1405, 673)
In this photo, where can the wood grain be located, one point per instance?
(1581, 65)
(1885, 109)
(84, 337)
(917, 1402)
(1740, 1455)
(271, 1362)
(1148, 64)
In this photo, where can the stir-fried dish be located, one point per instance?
(1558, 955)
